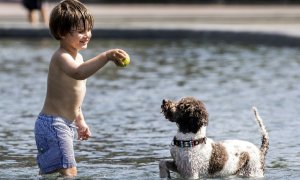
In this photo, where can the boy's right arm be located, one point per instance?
(85, 69)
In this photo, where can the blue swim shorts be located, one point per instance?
(54, 140)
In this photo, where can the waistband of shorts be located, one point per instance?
(53, 117)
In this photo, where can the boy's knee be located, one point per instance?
(71, 172)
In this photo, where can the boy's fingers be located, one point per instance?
(88, 133)
(120, 53)
(84, 134)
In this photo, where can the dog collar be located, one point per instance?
(188, 143)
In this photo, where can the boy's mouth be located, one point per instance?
(84, 42)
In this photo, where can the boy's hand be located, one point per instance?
(83, 131)
(117, 56)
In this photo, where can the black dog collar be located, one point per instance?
(190, 143)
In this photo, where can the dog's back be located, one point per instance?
(229, 157)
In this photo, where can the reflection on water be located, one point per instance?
(122, 105)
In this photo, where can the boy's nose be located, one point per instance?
(88, 34)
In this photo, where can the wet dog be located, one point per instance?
(194, 155)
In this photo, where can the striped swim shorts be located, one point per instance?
(54, 140)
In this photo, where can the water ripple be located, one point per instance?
(122, 105)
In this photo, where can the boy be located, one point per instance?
(71, 24)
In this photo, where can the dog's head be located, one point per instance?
(189, 113)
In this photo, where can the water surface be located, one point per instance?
(122, 105)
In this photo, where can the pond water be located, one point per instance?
(122, 105)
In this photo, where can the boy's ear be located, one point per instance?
(61, 36)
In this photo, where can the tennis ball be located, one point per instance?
(125, 61)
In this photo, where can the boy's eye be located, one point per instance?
(79, 30)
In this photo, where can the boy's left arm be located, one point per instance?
(83, 130)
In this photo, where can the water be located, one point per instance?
(122, 105)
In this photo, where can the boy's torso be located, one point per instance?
(64, 94)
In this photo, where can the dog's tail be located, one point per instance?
(265, 137)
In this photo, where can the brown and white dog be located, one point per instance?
(194, 155)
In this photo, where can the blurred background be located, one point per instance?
(279, 17)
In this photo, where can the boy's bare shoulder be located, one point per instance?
(62, 55)
(59, 55)
(62, 58)
(66, 63)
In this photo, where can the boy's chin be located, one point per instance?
(83, 47)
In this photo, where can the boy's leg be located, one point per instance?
(44, 15)
(32, 17)
(69, 171)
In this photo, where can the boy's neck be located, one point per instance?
(72, 51)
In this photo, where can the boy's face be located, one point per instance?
(78, 38)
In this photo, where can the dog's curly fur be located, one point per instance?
(230, 157)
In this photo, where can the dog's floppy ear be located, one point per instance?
(168, 108)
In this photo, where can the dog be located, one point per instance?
(194, 155)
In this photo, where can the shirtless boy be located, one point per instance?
(70, 24)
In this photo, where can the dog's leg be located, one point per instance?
(243, 166)
(165, 167)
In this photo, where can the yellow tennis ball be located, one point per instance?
(125, 61)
